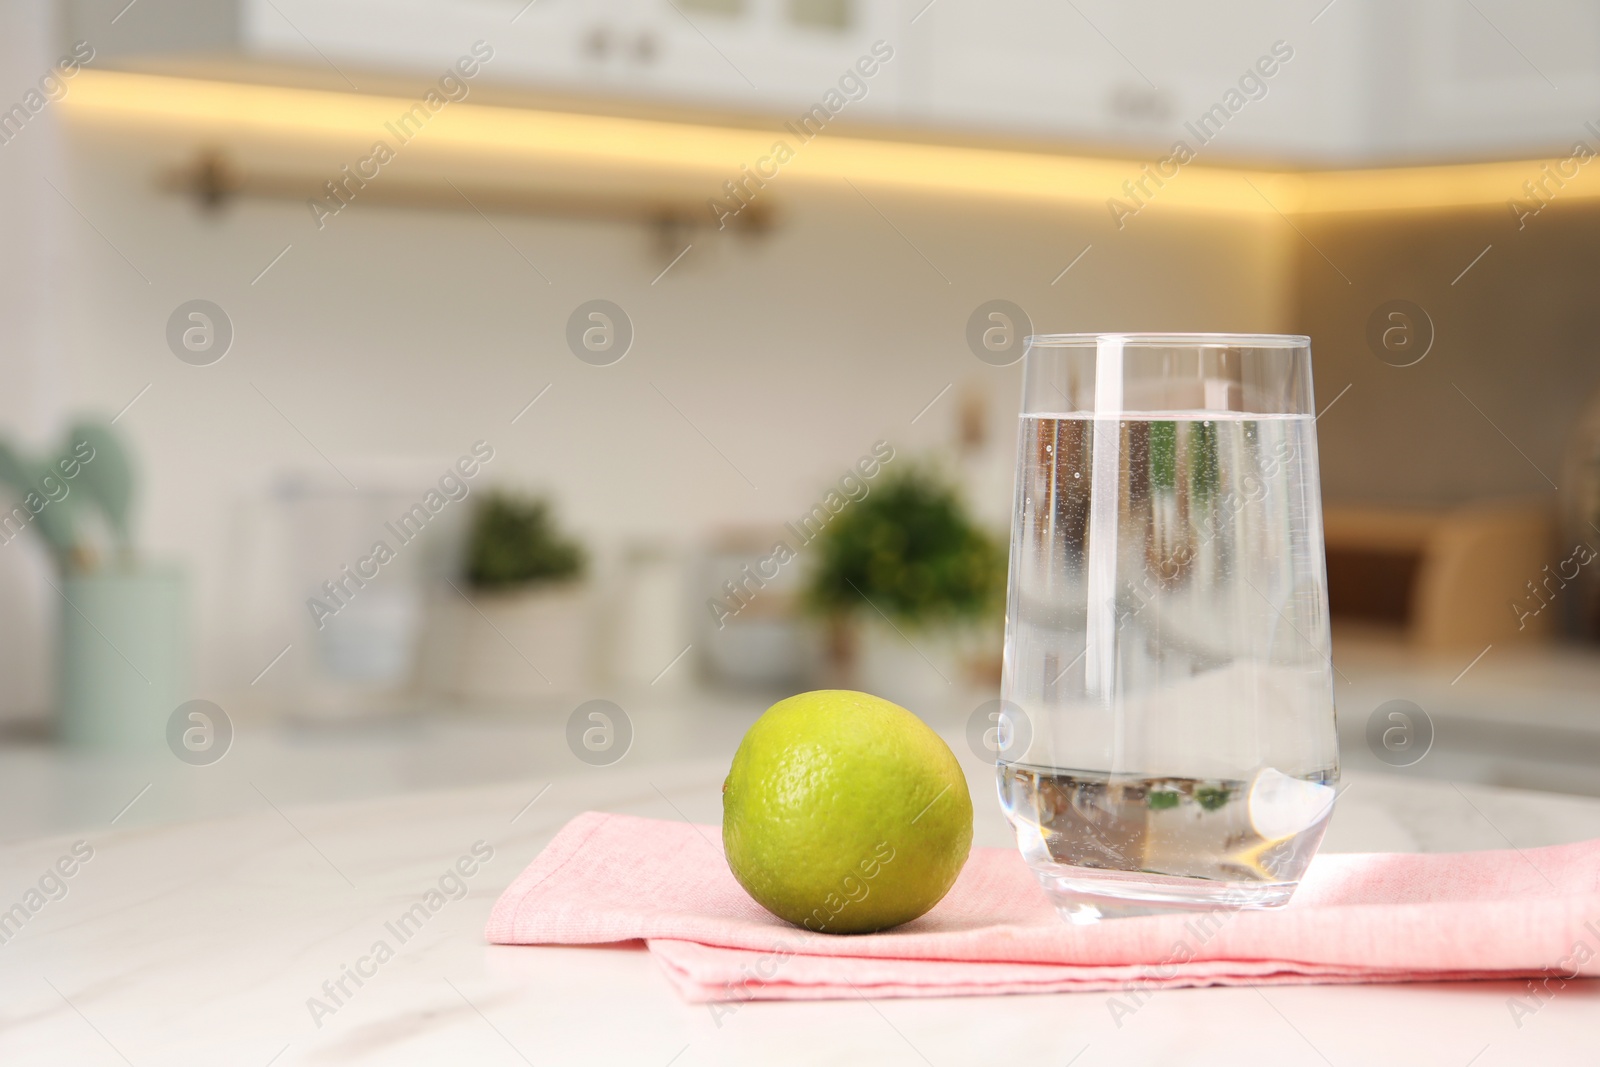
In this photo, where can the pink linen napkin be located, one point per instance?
(1356, 918)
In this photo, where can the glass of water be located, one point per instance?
(1168, 735)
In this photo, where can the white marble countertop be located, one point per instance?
(1523, 717)
(200, 942)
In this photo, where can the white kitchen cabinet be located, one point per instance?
(1139, 76)
(1017, 67)
(1283, 82)
(1489, 78)
(1376, 82)
(1369, 82)
(778, 56)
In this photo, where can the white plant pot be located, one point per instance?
(528, 645)
(921, 669)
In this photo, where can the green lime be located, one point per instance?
(844, 813)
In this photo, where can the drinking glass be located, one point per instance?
(1168, 736)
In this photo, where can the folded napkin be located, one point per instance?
(1356, 918)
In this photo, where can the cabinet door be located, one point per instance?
(790, 54)
(1022, 67)
(1491, 78)
(1251, 80)
(404, 36)
(740, 55)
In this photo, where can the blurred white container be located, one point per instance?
(754, 633)
(360, 621)
(652, 622)
(769, 651)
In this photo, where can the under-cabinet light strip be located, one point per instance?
(219, 108)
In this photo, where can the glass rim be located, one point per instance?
(1170, 340)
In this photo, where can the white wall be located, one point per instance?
(410, 333)
(33, 337)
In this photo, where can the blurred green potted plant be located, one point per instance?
(527, 632)
(917, 585)
(123, 651)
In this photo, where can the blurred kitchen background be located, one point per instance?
(634, 290)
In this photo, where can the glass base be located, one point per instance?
(1084, 895)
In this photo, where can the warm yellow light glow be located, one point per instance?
(1454, 185)
(234, 110)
